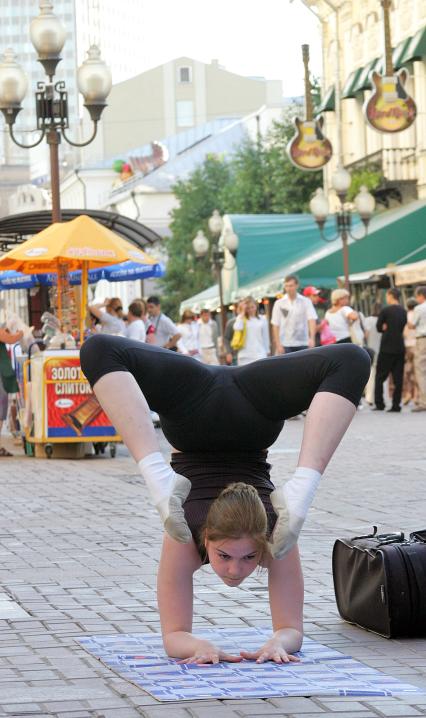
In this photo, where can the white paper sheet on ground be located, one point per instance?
(140, 658)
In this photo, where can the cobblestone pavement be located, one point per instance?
(79, 546)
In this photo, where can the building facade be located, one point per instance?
(177, 96)
(353, 44)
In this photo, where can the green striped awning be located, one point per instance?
(363, 81)
(348, 88)
(416, 48)
(399, 52)
(412, 48)
(328, 104)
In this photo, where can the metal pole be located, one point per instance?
(53, 139)
(222, 310)
(344, 236)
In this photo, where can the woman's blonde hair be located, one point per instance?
(237, 512)
(252, 300)
(337, 294)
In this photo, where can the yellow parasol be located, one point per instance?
(81, 243)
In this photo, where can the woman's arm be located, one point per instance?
(286, 602)
(96, 309)
(175, 602)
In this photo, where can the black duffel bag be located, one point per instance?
(380, 582)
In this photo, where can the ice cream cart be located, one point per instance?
(60, 407)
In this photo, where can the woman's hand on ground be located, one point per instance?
(206, 652)
(272, 650)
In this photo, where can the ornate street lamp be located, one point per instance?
(364, 204)
(224, 237)
(94, 82)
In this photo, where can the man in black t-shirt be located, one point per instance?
(391, 322)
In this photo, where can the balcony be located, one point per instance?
(398, 167)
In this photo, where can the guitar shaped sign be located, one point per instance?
(390, 108)
(309, 149)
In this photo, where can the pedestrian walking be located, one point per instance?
(390, 323)
(220, 421)
(110, 314)
(294, 320)
(419, 324)
(188, 330)
(135, 328)
(373, 339)
(314, 295)
(255, 333)
(8, 383)
(207, 338)
(230, 353)
(162, 331)
(410, 390)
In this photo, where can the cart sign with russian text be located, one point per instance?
(72, 410)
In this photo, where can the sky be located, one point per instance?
(249, 37)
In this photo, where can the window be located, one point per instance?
(184, 113)
(185, 75)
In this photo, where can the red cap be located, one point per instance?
(310, 291)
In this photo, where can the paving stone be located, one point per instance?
(394, 708)
(296, 705)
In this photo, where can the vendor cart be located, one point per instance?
(60, 408)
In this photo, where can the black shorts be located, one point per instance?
(222, 408)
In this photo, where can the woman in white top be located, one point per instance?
(340, 316)
(110, 315)
(257, 342)
(188, 329)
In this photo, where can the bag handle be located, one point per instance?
(384, 539)
(419, 536)
(356, 538)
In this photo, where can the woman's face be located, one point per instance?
(233, 559)
(251, 308)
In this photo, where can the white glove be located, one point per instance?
(168, 491)
(291, 503)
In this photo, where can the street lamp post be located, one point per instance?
(222, 238)
(94, 82)
(364, 204)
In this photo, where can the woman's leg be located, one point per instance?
(326, 422)
(123, 373)
(121, 398)
(328, 380)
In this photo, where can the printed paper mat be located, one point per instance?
(140, 658)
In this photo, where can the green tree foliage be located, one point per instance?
(259, 179)
(198, 196)
(370, 177)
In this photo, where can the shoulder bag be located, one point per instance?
(380, 582)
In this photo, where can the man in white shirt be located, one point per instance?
(135, 325)
(162, 331)
(419, 324)
(207, 338)
(293, 320)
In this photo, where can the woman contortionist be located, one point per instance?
(216, 500)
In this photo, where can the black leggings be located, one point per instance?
(221, 408)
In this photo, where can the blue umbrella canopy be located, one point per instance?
(15, 280)
(127, 271)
